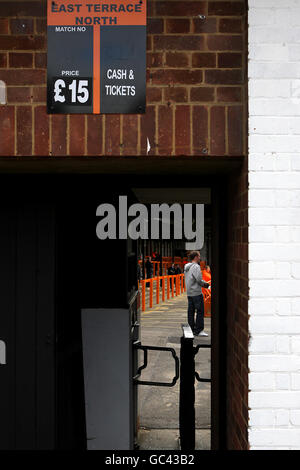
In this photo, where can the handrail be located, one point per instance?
(170, 284)
(175, 286)
(165, 263)
(145, 349)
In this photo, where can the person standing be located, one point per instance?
(139, 270)
(194, 284)
(171, 270)
(149, 268)
(177, 269)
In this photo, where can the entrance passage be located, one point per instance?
(159, 406)
(163, 312)
(54, 269)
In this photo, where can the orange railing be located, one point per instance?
(166, 263)
(172, 281)
(170, 285)
(207, 301)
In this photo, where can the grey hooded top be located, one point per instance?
(193, 279)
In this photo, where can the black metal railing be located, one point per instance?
(187, 388)
(187, 375)
(145, 349)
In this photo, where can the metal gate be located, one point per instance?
(185, 372)
(110, 360)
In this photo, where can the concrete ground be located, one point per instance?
(159, 406)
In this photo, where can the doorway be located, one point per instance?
(164, 311)
(71, 269)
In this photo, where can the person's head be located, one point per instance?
(208, 269)
(149, 258)
(194, 256)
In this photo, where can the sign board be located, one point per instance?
(96, 56)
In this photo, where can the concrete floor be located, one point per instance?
(168, 439)
(159, 406)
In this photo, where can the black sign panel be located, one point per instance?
(70, 71)
(122, 69)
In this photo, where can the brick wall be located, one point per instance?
(195, 86)
(237, 311)
(274, 224)
(196, 105)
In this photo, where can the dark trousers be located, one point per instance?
(196, 304)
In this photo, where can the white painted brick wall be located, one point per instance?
(274, 224)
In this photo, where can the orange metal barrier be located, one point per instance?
(206, 275)
(155, 265)
(166, 263)
(207, 301)
(173, 284)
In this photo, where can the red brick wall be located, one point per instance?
(237, 302)
(196, 105)
(237, 312)
(195, 86)
(237, 298)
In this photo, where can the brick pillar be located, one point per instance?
(237, 315)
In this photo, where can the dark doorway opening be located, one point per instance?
(73, 270)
